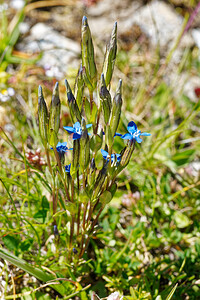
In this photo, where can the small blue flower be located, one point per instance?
(76, 130)
(67, 168)
(134, 133)
(62, 147)
(114, 157)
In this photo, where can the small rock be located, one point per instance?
(17, 4)
(58, 51)
(159, 22)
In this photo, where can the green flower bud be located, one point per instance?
(98, 187)
(87, 52)
(42, 116)
(54, 116)
(110, 56)
(127, 153)
(109, 137)
(84, 147)
(116, 109)
(79, 87)
(73, 107)
(75, 157)
(86, 80)
(106, 99)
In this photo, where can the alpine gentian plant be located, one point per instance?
(84, 186)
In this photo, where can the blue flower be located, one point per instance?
(134, 133)
(62, 147)
(67, 168)
(76, 130)
(114, 157)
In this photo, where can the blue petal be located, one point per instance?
(77, 125)
(118, 157)
(69, 129)
(127, 136)
(59, 144)
(67, 168)
(145, 134)
(132, 127)
(76, 136)
(104, 153)
(88, 125)
(117, 134)
(138, 139)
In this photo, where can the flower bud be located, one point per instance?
(87, 52)
(98, 187)
(54, 116)
(127, 153)
(42, 116)
(110, 56)
(79, 87)
(84, 147)
(106, 99)
(75, 157)
(116, 109)
(73, 107)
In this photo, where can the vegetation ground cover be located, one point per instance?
(147, 243)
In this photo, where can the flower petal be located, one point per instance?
(117, 134)
(104, 153)
(69, 129)
(118, 157)
(77, 125)
(138, 139)
(132, 127)
(88, 125)
(145, 134)
(76, 136)
(127, 136)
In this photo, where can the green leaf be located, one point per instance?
(11, 242)
(106, 197)
(36, 272)
(172, 292)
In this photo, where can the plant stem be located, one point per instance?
(88, 239)
(73, 217)
(61, 172)
(48, 160)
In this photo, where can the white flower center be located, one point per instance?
(79, 130)
(136, 133)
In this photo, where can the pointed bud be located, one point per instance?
(87, 52)
(54, 116)
(98, 187)
(75, 157)
(73, 107)
(42, 116)
(126, 154)
(110, 56)
(106, 99)
(79, 87)
(108, 137)
(116, 109)
(84, 147)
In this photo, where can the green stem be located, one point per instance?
(48, 160)
(91, 230)
(61, 173)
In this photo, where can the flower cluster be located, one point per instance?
(88, 181)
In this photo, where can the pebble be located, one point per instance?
(58, 51)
